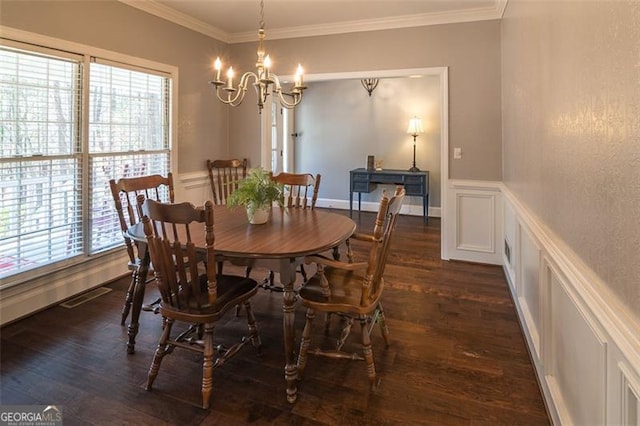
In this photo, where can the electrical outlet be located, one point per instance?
(457, 153)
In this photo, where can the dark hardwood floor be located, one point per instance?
(457, 356)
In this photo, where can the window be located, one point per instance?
(128, 136)
(58, 150)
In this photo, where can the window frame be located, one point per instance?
(63, 48)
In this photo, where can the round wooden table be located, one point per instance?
(288, 236)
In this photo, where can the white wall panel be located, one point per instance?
(528, 289)
(509, 244)
(630, 396)
(577, 359)
(585, 344)
(48, 290)
(475, 224)
(475, 228)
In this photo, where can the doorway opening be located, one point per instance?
(286, 142)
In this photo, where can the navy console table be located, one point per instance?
(415, 184)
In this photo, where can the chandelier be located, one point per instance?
(263, 80)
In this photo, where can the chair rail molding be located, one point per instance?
(584, 343)
(194, 187)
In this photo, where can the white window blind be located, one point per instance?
(40, 162)
(54, 183)
(128, 136)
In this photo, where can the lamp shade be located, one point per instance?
(415, 126)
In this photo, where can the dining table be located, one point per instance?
(282, 243)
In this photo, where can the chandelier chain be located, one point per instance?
(264, 80)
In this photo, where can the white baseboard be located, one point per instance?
(369, 206)
(584, 343)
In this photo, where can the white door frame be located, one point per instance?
(443, 74)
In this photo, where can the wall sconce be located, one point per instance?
(369, 84)
(414, 129)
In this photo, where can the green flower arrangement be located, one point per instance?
(257, 192)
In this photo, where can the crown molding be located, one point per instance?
(404, 21)
(172, 15)
(501, 5)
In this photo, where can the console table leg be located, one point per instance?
(351, 204)
(425, 203)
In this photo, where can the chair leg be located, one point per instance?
(327, 323)
(368, 354)
(253, 328)
(268, 283)
(335, 252)
(305, 341)
(161, 351)
(247, 274)
(128, 299)
(303, 273)
(382, 322)
(346, 330)
(207, 365)
(349, 251)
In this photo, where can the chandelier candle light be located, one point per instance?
(262, 80)
(414, 129)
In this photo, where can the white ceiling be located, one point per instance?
(235, 21)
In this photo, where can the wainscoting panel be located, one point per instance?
(528, 289)
(630, 396)
(42, 292)
(577, 358)
(475, 227)
(584, 343)
(510, 243)
(475, 223)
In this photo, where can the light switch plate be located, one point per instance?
(457, 153)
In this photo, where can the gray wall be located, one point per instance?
(207, 129)
(202, 122)
(571, 128)
(470, 50)
(339, 125)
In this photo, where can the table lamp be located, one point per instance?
(414, 129)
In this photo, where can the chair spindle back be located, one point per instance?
(125, 191)
(224, 176)
(300, 189)
(174, 254)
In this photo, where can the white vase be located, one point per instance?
(259, 216)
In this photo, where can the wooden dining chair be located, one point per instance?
(352, 290)
(124, 192)
(191, 289)
(224, 176)
(300, 189)
(300, 192)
